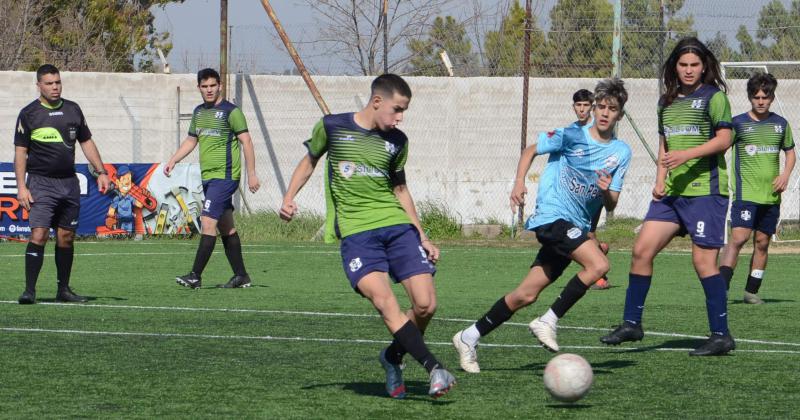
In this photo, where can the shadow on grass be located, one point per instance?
(741, 302)
(415, 390)
(89, 298)
(569, 406)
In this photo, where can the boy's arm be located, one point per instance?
(659, 190)
(720, 143)
(518, 191)
(404, 197)
(20, 167)
(300, 176)
(782, 181)
(250, 161)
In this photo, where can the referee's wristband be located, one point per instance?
(102, 172)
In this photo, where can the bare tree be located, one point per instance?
(19, 22)
(352, 30)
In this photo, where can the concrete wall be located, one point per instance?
(465, 133)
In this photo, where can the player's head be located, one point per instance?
(210, 85)
(389, 99)
(48, 80)
(761, 91)
(582, 101)
(690, 64)
(610, 97)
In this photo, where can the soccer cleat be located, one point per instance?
(467, 355)
(715, 345)
(66, 294)
(628, 331)
(601, 284)
(236, 282)
(190, 280)
(395, 386)
(441, 382)
(545, 333)
(27, 298)
(752, 298)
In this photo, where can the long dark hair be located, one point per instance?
(669, 75)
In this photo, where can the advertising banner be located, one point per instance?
(142, 200)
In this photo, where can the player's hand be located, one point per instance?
(603, 179)
(288, 210)
(253, 184)
(518, 196)
(675, 158)
(659, 191)
(431, 250)
(169, 167)
(103, 182)
(780, 183)
(24, 197)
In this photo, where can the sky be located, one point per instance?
(255, 47)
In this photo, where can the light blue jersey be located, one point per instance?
(568, 187)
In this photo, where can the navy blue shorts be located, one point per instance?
(754, 216)
(559, 239)
(702, 217)
(218, 197)
(396, 250)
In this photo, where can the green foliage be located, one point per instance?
(580, 38)
(437, 221)
(268, 226)
(647, 39)
(446, 34)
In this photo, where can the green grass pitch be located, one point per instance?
(301, 344)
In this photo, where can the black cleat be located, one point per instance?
(715, 345)
(66, 295)
(27, 298)
(236, 282)
(625, 332)
(190, 280)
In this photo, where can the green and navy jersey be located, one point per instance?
(756, 156)
(362, 170)
(50, 134)
(216, 127)
(688, 122)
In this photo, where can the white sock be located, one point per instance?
(758, 274)
(550, 318)
(471, 335)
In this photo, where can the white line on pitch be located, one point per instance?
(332, 340)
(350, 315)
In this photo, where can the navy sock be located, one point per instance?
(410, 338)
(233, 250)
(638, 286)
(64, 257)
(34, 257)
(497, 315)
(204, 251)
(727, 274)
(716, 303)
(572, 292)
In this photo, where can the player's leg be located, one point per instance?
(758, 263)
(422, 295)
(233, 251)
(602, 283)
(213, 207)
(40, 217)
(67, 222)
(743, 221)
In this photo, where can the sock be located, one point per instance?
(716, 303)
(410, 338)
(497, 315)
(638, 286)
(549, 317)
(571, 294)
(204, 251)
(233, 250)
(34, 257)
(64, 257)
(395, 352)
(471, 335)
(727, 274)
(754, 281)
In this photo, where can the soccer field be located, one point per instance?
(301, 344)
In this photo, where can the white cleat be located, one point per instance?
(545, 333)
(467, 355)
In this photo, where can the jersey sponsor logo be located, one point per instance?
(346, 138)
(56, 114)
(745, 215)
(578, 152)
(349, 169)
(682, 130)
(211, 132)
(753, 149)
(356, 264)
(697, 104)
(574, 233)
(390, 148)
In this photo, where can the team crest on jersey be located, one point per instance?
(73, 133)
(697, 104)
(745, 215)
(390, 147)
(355, 264)
(347, 169)
(779, 129)
(611, 162)
(573, 233)
(751, 149)
(219, 115)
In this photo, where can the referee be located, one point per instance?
(46, 133)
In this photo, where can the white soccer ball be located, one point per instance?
(568, 377)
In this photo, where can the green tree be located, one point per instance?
(648, 37)
(778, 27)
(504, 48)
(580, 38)
(446, 34)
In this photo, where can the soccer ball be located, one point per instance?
(568, 377)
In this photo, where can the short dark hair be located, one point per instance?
(611, 89)
(45, 69)
(207, 73)
(583, 95)
(389, 84)
(761, 81)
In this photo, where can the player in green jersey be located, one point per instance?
(759, 136)
(219, 127)
(369, 207)
(690, 194)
